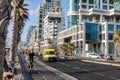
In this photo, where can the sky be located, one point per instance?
(33, 8)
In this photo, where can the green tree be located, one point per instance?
(71, 47)
(68, 48)
(39, 44)
(5, 12)
(116, 39)
(22, 17)
(49, 41)
(64, 47)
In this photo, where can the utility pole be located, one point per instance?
(76, 52)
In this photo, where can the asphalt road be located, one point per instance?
(84, 70)
(39, 72)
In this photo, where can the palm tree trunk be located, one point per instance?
(4, 21)
(14, 39)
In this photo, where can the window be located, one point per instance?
(100, 36)
(84, 7)
(91, 7)
(92, 31)
(40, 21)
(104, 1)
(110, 27)
(72, 20)
(91, 1)
(105, 7)
(110, 36)
(111, 48)
(84, 1)
(111, 7)
(118, 27)
(111, 1)
(40, 26)
(39, 36)
(73, 5)
(100, 28)
(40, 16)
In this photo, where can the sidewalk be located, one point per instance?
(18, 73)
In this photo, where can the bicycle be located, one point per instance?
(30, 66)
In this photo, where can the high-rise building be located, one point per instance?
(29, 33)
(45, 10)
(53, 23)
(91, 25)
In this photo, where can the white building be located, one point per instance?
(53, 23)
(91, 25)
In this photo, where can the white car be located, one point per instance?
(95, 56)
(39, 53)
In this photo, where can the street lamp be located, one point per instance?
(76, 42)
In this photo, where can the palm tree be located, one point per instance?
(5, 12)
(116, 39)
(19, 18)
(22, 17)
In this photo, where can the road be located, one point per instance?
(78, 69)
(39, 72)
(86, 71)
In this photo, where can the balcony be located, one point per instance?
(96, 11)
(114, 12)
(73, 13)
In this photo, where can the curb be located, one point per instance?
(105, 63)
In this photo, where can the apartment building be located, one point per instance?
(46, 11)
(29, 33)
(91, 25)
(53, 23)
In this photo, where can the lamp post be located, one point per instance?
(76, 51)
(76, 42)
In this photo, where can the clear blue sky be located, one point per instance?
(33, 7)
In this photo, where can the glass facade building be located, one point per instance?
(72, 8)
(99, 19)
(73, 5)
(92, 32)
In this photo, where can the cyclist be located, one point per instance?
(31, 56)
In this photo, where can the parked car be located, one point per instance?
(40, 53)
(110, 58)
(95, 56)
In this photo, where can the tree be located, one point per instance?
(18, 19)
(64, 48)
(22, 17)
(49, 41)
(5, 12)
(39, 44)
(71, 47)
(68, 47)
(116, 39)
